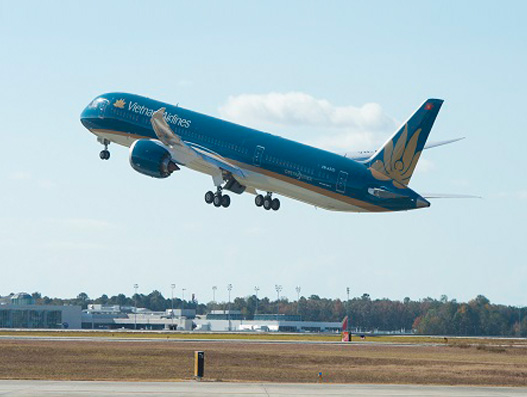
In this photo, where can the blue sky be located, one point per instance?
(70, 222)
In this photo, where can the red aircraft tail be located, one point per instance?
(346, 335)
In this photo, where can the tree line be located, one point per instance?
(426, 316)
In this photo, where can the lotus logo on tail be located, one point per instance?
(119, 103)
(399, 160)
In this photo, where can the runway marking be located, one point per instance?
(99, 389)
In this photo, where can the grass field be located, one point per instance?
(406, 339)
(461, 363)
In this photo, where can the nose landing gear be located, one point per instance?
(267, 202)
(104, 154)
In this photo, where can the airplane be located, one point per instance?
(162, 138)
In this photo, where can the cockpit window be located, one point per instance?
(97, 102)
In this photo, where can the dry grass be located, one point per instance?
(406, 339)
(172, 360)
(173, 335)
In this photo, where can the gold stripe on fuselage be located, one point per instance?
(334, 195)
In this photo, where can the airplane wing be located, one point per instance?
(366, 154)
(184, 152)
(218, 161)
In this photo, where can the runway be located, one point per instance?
(203, 340)
(103, 389)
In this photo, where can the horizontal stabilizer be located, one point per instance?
(440, 195)
(441, 143)
(364, 155)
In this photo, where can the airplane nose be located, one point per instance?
(422, 203)
(87, 116)
(86, 112)
(92, 113)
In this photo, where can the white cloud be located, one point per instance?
(20, 176)
(340, 128)
(349, 141)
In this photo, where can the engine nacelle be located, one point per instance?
(151, 158)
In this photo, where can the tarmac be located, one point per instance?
(39, 388)
(96, 338)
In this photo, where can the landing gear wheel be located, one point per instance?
(259, 200)
(275, 204)
(209, 197)
(225, 201)
(267, 203)
(104, 154)
(217, 200)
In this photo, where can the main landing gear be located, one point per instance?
(104, 154)
(268, 202)
(218, 199)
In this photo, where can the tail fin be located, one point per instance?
(398, 157)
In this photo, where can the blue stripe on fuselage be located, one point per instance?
(290, 159)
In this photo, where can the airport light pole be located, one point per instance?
(348, 311)
(298, 289)
(214, 288)
(256, 289)
(278, 289)
(172, 313)
(182, 299)
(229, 288)
(135, 305)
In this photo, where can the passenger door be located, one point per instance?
(258, 155)
(342, 179)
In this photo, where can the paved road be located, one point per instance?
(102, 336)
(97, 338)
(35, 388)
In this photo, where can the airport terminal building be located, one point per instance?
(20, 311)
(117, 317)
(98, 316)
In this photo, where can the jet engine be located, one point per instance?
(151, 158)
